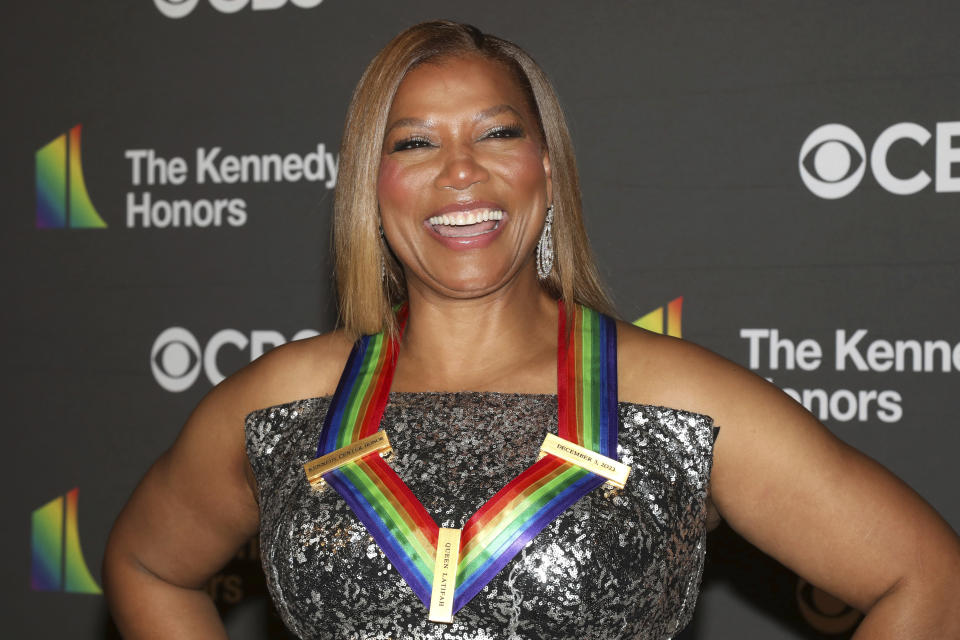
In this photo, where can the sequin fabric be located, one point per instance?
(623, 566)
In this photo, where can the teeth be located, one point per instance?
(462, 218)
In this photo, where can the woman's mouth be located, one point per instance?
(466, 224)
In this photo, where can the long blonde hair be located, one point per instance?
(366, 297)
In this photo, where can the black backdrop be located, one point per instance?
(695, 124)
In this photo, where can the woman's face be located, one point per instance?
(464, 178)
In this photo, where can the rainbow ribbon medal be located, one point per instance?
(582, 458)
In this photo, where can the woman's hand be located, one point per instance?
(790, 487)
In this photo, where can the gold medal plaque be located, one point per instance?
(615, 472)
(377, 443)
(445, 575)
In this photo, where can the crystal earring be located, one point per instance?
(545, 247)
(383, 262)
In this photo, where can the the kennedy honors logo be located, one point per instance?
(666, 323)
(62, 198)
(56, 559)
(171, 191)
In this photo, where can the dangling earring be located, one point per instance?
(383, 262)
(545, 247)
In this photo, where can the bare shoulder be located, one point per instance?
(758, 422)
(294, 371)
(662, 370)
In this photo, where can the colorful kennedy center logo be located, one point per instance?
(665, 320)
(56, 559)
(62, 198)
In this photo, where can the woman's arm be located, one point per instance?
(820, 507)
(188, 516)
(196, 506)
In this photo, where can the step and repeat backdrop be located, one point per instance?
(779, 182)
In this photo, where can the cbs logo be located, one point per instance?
(833, 159)
(176, 358)
(182, 8)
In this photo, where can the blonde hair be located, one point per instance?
(366, 297)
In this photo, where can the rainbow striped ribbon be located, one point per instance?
(587, 412)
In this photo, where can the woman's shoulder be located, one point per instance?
(661, 370)
(297, 370)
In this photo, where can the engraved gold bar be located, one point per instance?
(615, 472)
(445, 575)
(377, 443)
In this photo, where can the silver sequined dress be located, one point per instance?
(625, 566)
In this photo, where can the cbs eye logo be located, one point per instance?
(833, 159)
(182, 8)
(176, 8)
(175, 359)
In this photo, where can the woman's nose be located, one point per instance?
(460, 170)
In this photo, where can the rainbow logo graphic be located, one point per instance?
(664, 320)
(57, 562)
(62, 198)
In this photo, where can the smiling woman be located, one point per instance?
(463, 188)
(506, 103)
(510, 396)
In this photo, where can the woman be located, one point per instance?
(458, 198)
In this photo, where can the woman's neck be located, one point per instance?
(503, 342)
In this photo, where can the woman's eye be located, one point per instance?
(410, 143)
(512, 131)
